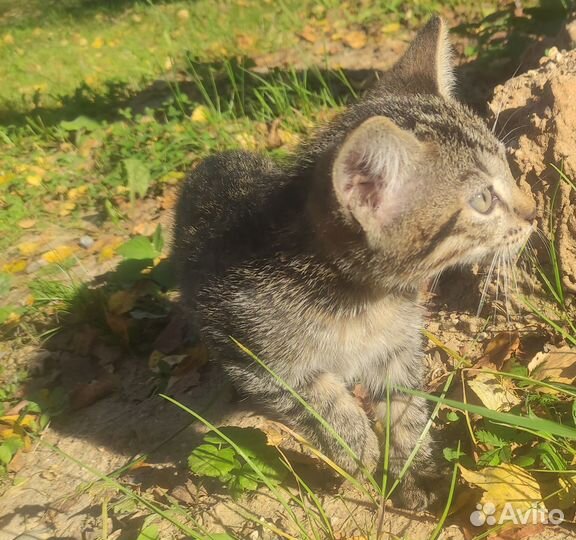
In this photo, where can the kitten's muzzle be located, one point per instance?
(526, 209)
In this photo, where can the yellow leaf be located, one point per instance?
(28, 248)
(246, 141)
(356, 39)
(391, 28)
(75, 193)
(506, 487)
(172, 177)
(34, 179)
(5, 178)
(66, 208)
(7, 433)
(107, 253)
(494, 392)
(59, 254)
(15, 267)
(183, 14)
(8, 39)
(27, 420)
(97, 43)
(12, 318)
(200, 115)
(288, 138)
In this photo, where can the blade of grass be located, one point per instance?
(542, 425)
(438, 529)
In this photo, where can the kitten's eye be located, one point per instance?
(483, 202)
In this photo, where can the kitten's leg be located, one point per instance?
(328, 396)
(408, 416)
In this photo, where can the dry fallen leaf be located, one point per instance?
(245, 41)
(506, 484)
(15, 267)
(173, 336)
(356, 39)
(34, 179)
(273, 139)
(199, 115)
(58, 255)
(28, 248)
(144, 228)
(27, 223)
(309, 34)
(86, 394)
(180, 364)
(519, 532)
(66, 208)
(391, 28)
(246, 141)
(500, 349)
(495, 393)
(75, 193)
(555, 366)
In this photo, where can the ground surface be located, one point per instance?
(73, 195)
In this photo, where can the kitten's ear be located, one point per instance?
(426, 66)
(370, 171)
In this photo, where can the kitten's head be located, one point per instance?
(421, 175)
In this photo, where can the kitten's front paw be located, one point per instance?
(422, 490)
(366, 447)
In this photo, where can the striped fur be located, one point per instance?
(317, 267)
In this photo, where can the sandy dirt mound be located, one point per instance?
(536, 116)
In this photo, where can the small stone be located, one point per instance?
(553, 53)
(86, 242)
(34, 266)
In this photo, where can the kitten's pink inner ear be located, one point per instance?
(371, 168)
(427, 64)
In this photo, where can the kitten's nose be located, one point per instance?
(526, 208)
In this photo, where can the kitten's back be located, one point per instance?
(228, 208)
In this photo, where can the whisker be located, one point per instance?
(506, 123)
(506, 140)
(497, 116)
(485, 286)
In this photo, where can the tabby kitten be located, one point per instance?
(318, 267)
